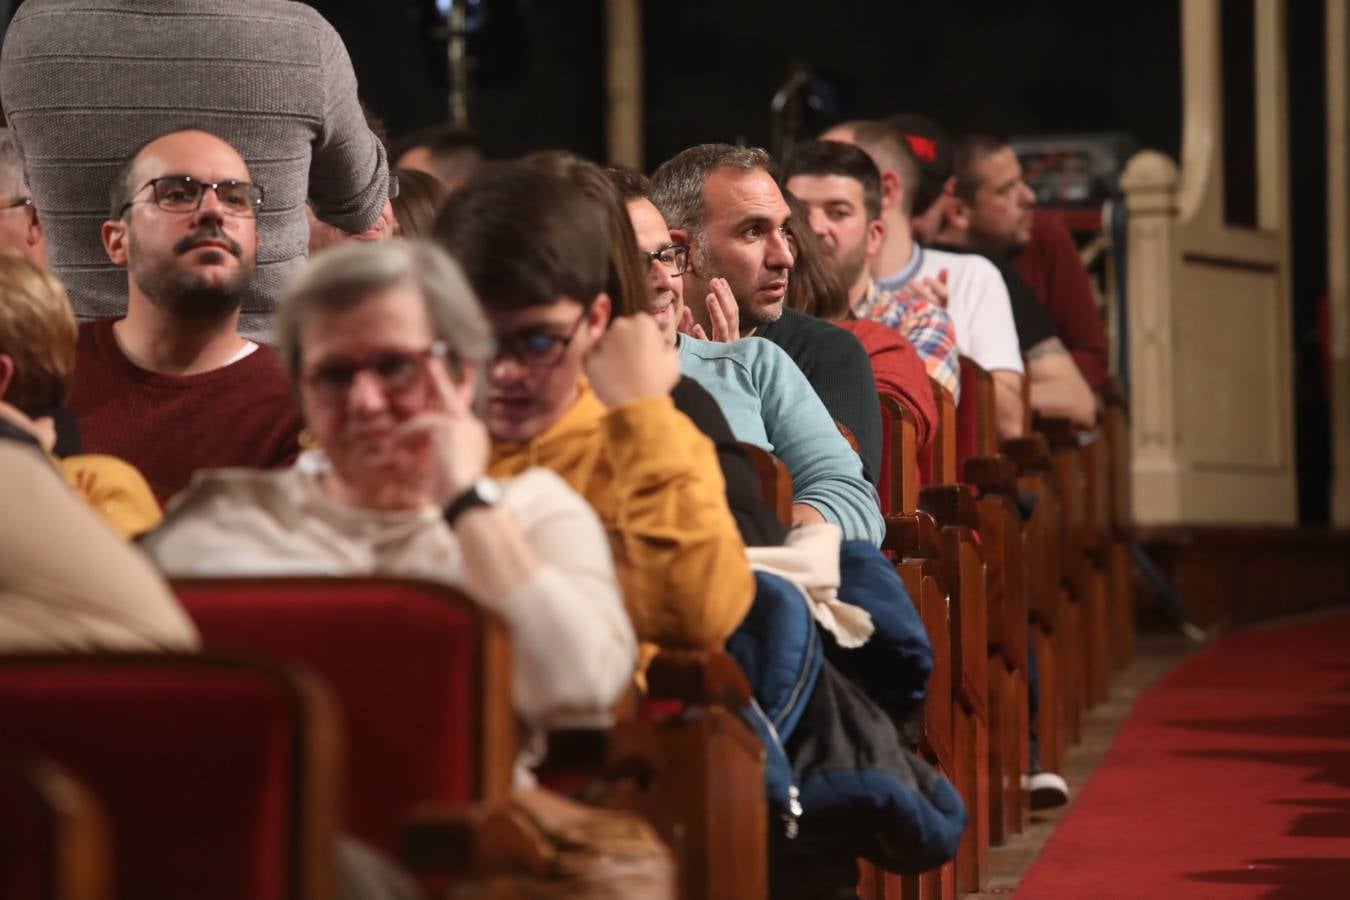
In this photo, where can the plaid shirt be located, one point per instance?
(926, 325)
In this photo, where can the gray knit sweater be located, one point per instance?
(85, 83)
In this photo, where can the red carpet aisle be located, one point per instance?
(1230, 779)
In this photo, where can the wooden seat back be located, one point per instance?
(220, 776)
(775, 481)
(976, 414)
(53, 834)
(423, 673)
(938, 465)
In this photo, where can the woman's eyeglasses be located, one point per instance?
(398, 371)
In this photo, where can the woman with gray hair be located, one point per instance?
(385, 343)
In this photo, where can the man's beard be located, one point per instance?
(186, 294)
(750, 315)
(852, 263)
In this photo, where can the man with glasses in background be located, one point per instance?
(173, 387)
(20, 229)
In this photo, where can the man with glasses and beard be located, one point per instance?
(173, 387)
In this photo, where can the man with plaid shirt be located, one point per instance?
(914, 312)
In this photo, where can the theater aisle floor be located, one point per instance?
(1228, 777)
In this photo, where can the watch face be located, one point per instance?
(488, 489)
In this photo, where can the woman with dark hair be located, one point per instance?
(418, 200)
(627, 285)
(817, 289)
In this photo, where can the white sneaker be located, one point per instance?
(1047, 790)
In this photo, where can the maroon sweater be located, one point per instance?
(1053, 268)
(169, 426)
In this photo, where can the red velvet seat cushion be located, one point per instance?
(966, 417)
(402, 659)
(195, 763)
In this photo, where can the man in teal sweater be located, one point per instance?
(766, 399)
(768, 402)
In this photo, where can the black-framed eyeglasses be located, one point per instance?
(675, 257)
(398, 371)
(536, 348)
(18, 202)
(183, 193)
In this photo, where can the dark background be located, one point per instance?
(1037, 67)
(712, 67)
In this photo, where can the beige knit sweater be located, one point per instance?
(573, 648)
(67, 581)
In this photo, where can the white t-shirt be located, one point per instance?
(979, 306)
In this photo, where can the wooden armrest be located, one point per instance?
(440, 841)
(703, 677)
(1059, 433)
(484, 838)
(913, 536)
(991, 474)
(628, 749)
(950, 504)
(1028, 454)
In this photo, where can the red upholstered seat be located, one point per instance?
(421, 671)
(211, 770)
(967, 411)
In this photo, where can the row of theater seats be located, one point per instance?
(994, 540)
(381, 709)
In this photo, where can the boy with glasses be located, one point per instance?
(571, 391)
(173, 387)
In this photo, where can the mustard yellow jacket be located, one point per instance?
(115, 490)
(654, 480)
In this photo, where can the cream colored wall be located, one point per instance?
(1338, 249)
(1209, 305)
(623, 83)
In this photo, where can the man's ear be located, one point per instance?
(681, 236)
(34, 234)
(876, 236)
(599, 314)
(892, 188)
(957, 213)
(115, 241)
(6, 373)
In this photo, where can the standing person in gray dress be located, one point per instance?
(85, 83)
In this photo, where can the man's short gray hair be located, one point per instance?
(677, 185)
(340, 277)
(12, 184)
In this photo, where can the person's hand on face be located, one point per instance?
(44, 429)
(632, 362)
(443, 449)
(723, 315)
